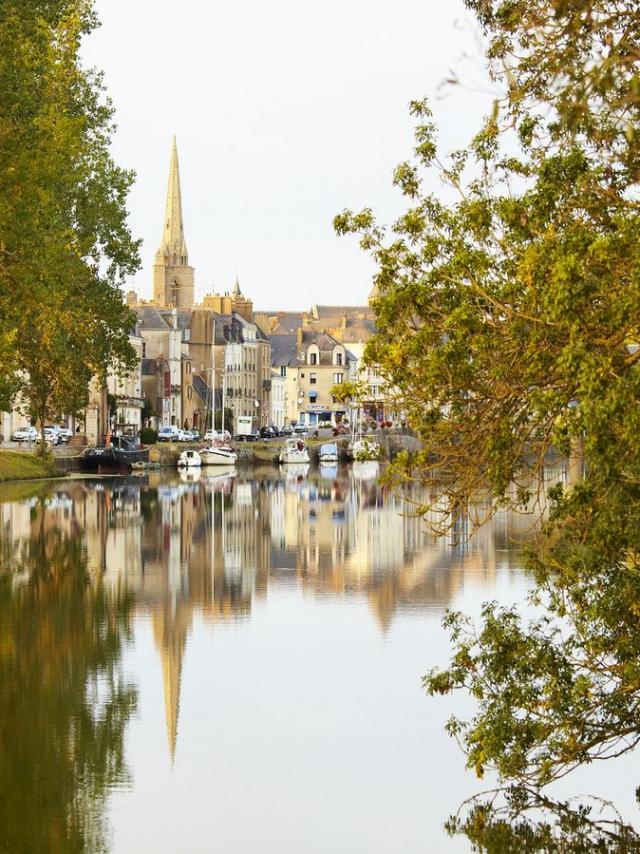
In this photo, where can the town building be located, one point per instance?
(126, 392)
(278, 398)
(198, 354)
(305, 348)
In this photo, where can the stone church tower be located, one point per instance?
(172, 275)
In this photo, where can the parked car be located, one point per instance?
(300, 430)
(168, 434)
(209, 435)
(65, 434)
(51, 436)
(25, 434)
(288, 430)
(195, 435)
(267, 433)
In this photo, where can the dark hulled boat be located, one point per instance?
(119, 452)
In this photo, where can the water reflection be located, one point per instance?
(82, 561)
(519, 819)
(64, 704)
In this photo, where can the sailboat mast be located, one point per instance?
(213, 373)
(224, 387)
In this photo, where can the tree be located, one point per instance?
(148, 411)
(506, 317)
(509, 322)
(65, 247)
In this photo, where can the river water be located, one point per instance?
(232, 662)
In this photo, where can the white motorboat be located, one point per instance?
(329, 453)
(365, 450)
(294, 451)
(189, 459)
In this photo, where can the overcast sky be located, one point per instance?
(285, 112)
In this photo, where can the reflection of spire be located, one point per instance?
(170, 634)
(173, 242)
(383, 601)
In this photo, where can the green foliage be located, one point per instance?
(349, 392)
(147, 410)
(148, 436)
(228, 420)
(65, 246)
(508, 322)
(505, 317)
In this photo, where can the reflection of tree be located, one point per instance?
(63, 703)
(517, 819)
(564, 689)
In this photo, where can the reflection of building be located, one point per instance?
(210, 548)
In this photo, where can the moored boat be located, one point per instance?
(118, 452)
(294, 451)
(329, 452)
(218, 453)
(189, 459)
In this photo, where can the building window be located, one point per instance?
(283, 370)
(338, 358)
(189, 392)
(301, 376)
(144, 350)
(313, 396)
(313, 358)
(337, 379)
(313, 379)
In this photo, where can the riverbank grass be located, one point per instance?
(20, 465)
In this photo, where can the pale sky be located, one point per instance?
(285, 113)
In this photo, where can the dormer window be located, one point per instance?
(338, 358)
(313, 358)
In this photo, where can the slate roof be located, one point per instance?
(149, 317)
(284, 350)
(322, 311)
(203, 390)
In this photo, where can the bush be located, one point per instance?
(148, 436)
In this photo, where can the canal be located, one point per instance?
(232, 662)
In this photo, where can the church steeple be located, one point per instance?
(173, 243)
(172, 276)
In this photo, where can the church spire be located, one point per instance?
(173, 242)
